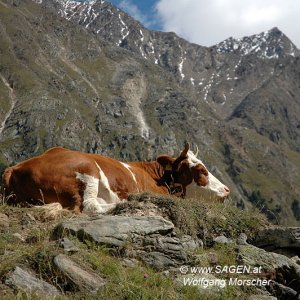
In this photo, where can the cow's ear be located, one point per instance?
(166, 162)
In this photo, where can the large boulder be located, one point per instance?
(276, 267)
(151, 238)
(114, 230)
(276, 238)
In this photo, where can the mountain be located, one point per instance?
(87, 76)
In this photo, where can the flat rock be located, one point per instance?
(251, 255)
(84, 280)
(273, 265)
(278, 237)
(23, 280)
(114, 230)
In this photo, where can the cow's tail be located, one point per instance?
(7, 191)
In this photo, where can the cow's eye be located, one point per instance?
(205, 172)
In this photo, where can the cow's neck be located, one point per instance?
(163, 183)
(153, 168)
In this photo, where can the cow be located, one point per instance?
(92, 183)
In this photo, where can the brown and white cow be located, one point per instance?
(95, 183)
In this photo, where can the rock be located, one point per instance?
(157, 260)
(4, 222)
(278, 237)
(251, 255)
(171, 245)
(23, 280)
(127, 262)
(222, 240)
(296, 259)
(84, 280)
(210, 258)
(273, 266)
(189, 243)
(19, 237)
(151, 238)
(283, 292)
(261, 297)
(171, 251)
(114, 230)
(68, 245)
(242, 239)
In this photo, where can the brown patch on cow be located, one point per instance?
(165, 161)
(200, 175)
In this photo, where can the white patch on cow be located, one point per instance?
(97, 196)
(128, 168)
(214, 186)
(104, 191)
(90, 201)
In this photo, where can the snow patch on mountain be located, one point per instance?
(124, 31)
(267, 45)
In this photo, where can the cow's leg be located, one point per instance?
(92, 206)
(77, 200)
(89, 185)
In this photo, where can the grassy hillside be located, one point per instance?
(27, 241)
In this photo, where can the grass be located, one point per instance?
(199, 218)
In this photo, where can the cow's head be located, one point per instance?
(189, 171)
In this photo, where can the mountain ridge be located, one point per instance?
(199, 68)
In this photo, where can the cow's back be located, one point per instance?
(77, 180)
(48, 178)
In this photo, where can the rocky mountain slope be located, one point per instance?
(151, 247)
(225, 75)
(89, 77)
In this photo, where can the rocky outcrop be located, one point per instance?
(152, 239)
(279, 239)
(24, 280)
(283, 272)
(115, 230)
(149, 240)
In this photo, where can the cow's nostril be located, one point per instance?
(227, 190)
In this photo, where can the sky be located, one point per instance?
(208, 22)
